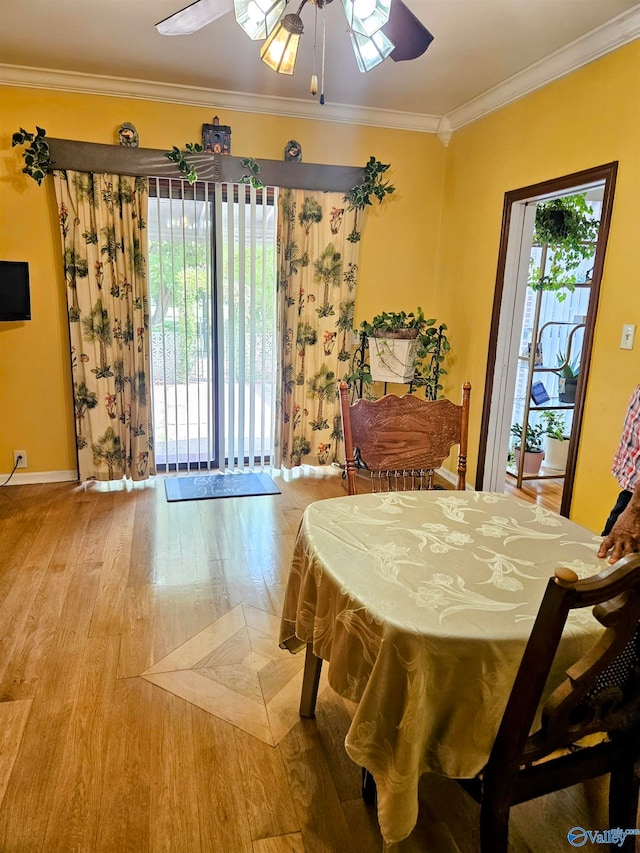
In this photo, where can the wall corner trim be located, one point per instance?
(445, 131)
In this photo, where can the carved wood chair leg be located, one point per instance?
(624, 787)
(494, 827)
(310, 682)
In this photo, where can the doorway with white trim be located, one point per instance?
(531, 328)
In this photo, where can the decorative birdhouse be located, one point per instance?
(216, 137)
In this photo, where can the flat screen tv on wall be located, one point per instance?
(15, 301)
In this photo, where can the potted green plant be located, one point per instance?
(569, 231)
(406, 348)
(393, 344)
(568, 370)
(533, 451)
(556, 445)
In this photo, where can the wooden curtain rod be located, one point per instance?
(120, 160)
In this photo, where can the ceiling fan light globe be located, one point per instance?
(258, 17)
(365, 17)
(280, 50)
(364, 8)
(370, 51)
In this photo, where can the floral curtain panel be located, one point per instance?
(102, 223)
(318, 241)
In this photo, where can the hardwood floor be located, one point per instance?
(546, 493)
(101, 588)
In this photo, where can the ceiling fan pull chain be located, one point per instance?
(314, 78)
(324, 44)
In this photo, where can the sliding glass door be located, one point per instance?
(212, 274)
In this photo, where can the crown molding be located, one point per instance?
(615, 33)
(96, 84)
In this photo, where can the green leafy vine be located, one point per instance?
(371, 185)
(433, 348)
(37, 158)
(253, 170)
(180, 159)
(568, 228)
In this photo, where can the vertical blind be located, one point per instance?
(245, 302)
(212, 289)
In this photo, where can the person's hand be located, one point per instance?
(625, 535)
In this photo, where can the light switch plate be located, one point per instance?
(628, 335)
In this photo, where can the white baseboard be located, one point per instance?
(21, 479)
(452, 478)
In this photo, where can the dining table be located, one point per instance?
(422, 603)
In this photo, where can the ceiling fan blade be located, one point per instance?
(410, 36)
(193, 17)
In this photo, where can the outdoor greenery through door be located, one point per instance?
(212, 261)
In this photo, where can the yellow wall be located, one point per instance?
(433, 244)
(586, 119)
(36, 411)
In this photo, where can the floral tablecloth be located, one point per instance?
(423, 603)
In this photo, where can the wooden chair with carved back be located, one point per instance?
(401, 441)
(590, 725)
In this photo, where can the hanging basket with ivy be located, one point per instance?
(568, 229)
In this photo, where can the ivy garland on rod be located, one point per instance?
(251, 177)
(180, 159)
(357, 198)
(189, 170)
(38, 163)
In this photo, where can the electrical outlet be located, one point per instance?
(22, 462)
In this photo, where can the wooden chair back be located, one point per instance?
(599, 701)
(401, 441)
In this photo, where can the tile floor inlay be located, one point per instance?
(235, 670)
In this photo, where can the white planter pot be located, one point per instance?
(555, 454)
(392, 359)
(532, 461)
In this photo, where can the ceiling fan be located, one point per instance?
(378, 29)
